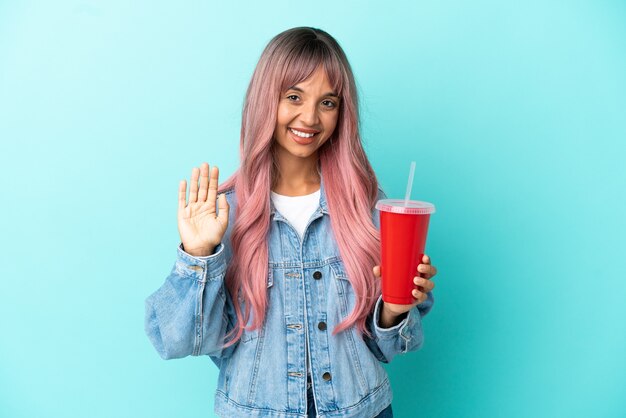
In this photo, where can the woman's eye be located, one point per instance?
(292, 97)
(329, 103)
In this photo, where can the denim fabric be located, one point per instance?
(385, 413)
(264, 374)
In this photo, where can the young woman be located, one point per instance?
(276, 279)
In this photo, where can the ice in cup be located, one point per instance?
(403, 230)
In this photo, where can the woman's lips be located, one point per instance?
(302, 141)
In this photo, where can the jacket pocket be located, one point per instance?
(342, 284)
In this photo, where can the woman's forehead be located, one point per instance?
(320, 70)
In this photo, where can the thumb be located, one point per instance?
(376, 271)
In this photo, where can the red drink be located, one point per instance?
(403, 231)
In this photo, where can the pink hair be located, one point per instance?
(350, 183)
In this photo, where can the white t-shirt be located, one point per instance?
(298, 210)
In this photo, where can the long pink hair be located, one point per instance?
(350, 183)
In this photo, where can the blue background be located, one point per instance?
(514, 111)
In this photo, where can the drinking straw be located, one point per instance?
(409, 186)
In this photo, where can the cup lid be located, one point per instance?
(414, 207)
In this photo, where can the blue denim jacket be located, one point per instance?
(264, 374)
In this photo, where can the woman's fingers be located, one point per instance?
(204, 182)
(425, 284)
(182, 192)
(213, 188)
(193, 190)
(426, 270)
(206, 192)
(420, 296)
(376, 271)
(421, 293)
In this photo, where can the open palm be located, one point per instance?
(200, 227)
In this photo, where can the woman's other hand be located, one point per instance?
(200, 229)
(423, 284)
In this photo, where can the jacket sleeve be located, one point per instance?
(403, 337)
(191, 312)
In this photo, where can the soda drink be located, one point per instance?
(403, 230)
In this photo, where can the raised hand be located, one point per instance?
(200, 229)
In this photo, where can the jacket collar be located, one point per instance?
(323, 208)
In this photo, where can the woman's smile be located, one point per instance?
(302, 138)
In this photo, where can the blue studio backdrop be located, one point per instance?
(514, 111)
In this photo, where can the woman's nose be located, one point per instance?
(309, 114)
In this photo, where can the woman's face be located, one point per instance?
(307, 116)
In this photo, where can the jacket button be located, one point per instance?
(317, 275)
(322, 326)
(326, 376)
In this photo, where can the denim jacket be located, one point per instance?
(264, 373)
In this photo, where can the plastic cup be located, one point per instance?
(403, 230)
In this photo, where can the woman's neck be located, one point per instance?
(297, 176)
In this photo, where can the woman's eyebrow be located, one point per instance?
(329, 94)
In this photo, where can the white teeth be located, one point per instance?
(301, 134)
